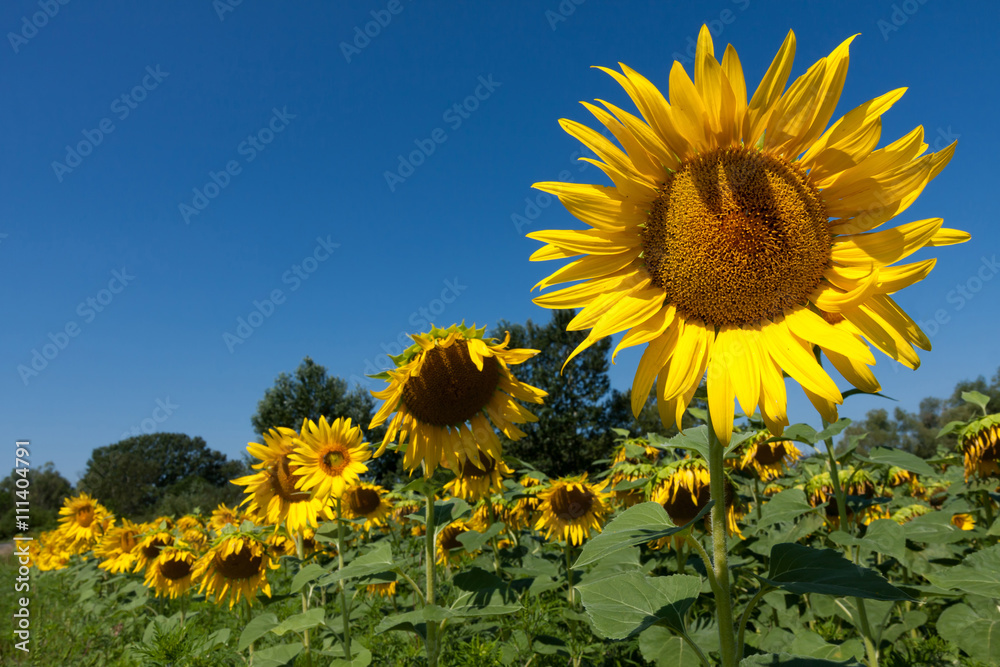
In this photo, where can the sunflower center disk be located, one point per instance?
(736, 237)
(152, 550)
(571, 503)
(175, 569)
(85, 517)
(364, 501)
(770, 454)
(470, 469)
(283, 482)
(242, 565)
(682, 509)
(450, 389)
(335, 460)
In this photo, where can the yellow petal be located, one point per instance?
(810, 327)
(589, 241)
(591, 266)
(798, 362)
(885, 247)
(648, 330)
(769, 91)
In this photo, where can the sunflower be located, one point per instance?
(909, 513)
(490, 510)
(54, 552)
(571, 508)
(473, 482)
(684, 490)
(171, 572)
(448, 390)
(148, 544)
(83, 519)
(447, 541)
(236, 566)
(767, 460)
(329, 457)
(963, 521)
(641, 452)
(736, 237)
(525, 510)
(224, 515)
(900, 476)
(193, 531)
(980, 442)
(273, 495)
(383, 589)
(116, 548)
(860, 483)
(366, 501)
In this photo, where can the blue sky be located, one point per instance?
(169, 168)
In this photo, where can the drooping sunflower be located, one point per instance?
(571, 508)
(980, 443)
(329, 457)
(525, 510)
(855, 482)
(170, 573)
(490, 510)
(236, 566)
(273, 496)
(55, 551)
(83, 519)
(148, 544)
(116, 548)
(963, 521)
(448, 546)
(736, 237)
(448, 390)
(474, 482)
(910, 512)
(224, 515)
(382, 589)
(684, 489)
(366, 501)
(767, 460)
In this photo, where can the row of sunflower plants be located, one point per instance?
(905, 555)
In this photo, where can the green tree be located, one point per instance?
(46, 491)
(311, 393)
(132, 477)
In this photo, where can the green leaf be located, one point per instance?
(377, 560)
(975, 631)
(897, 457)
(414, 621)
(276, 656)
(638, 524)
(310, 572)
(477, 579)
(784, 507)
(482, 604)
(950, 427)
(629, 484)
(800, 433)
(978, 574)
(665, 649)
(811, 644)
(787, 660)
(976, 398)
(361, 657)
(802, 569)
(256, 628)
(883, 536)
(625, 604)
(474, 541)
(299, 622)
(833, 429)
(933, 528)
(910, 621)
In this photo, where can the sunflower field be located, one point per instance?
(738, 244)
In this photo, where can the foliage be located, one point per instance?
(134, 476)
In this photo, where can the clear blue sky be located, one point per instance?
(299, 116)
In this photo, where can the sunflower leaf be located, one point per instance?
(299, 622)
(624, 605)
(800, 569)
(976, 629)
(978, 574)
(976, 398)
(258, 627)
(638, 524)
(277, 656)
(784, 507)
(377, 560)
(788, 660)
(310, 572)
(474, 541)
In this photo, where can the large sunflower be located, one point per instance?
(329, 457)
(236, 566)
(83, 519)
(572, 507)
(170, 574)
(273, 494)
(446, 390)
(366, 501)
(736, 237)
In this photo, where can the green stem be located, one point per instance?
(706, 559)
(756, 499)
(720, 562)
(569, 574)
(746, 617)
(432, 644)
(866, 634)
(416, 589)
(696, 649)
(300, 551)
(345, 607)
(493, 540)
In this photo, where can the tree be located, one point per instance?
(310, 394)
(133, 476)
(47, 490)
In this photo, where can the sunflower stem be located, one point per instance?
(746, 617)
(345, 607)
(569, 574)
(494, 542)
(300, 551)
(431, 645)
(720, 562)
